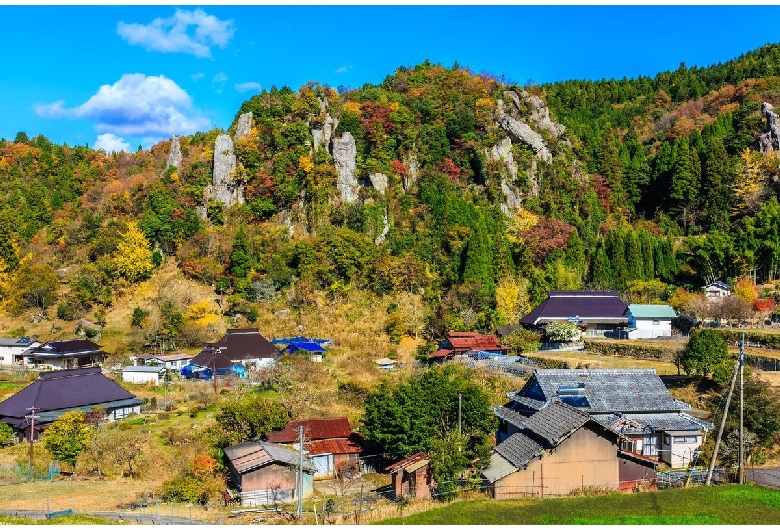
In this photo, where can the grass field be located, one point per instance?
(61, 520)
(732, 505)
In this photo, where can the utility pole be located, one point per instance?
(32, 434)
(214, 371)
(459, 407)
(300, 473)
(722, 424)
(741, 411)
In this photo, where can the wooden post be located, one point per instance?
(32, 435)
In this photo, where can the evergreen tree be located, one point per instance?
(601, 270)
(634, 263)
(715, 186)
(636, 174)
(478, 265)
(609, 165)
(685, 181)
(240, 262)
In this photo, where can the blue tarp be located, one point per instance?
(307, 346)
(288, 340)
(193, 371)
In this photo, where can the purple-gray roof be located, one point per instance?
(237, 345)
(63, 389)
(588, 306)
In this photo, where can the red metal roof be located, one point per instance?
(312, 430)
(476, 342)
(461, 334)
(441, 353)
(337, 446)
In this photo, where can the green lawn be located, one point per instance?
(60, 520)
(747, 504)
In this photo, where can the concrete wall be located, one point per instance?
(586, 458)
(141, 377)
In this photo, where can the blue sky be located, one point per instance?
(116, 77)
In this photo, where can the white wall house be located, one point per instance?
(142, 374)
(14, 350)
(171, 361)
(679, 447)
(717, 289)
(649, 321)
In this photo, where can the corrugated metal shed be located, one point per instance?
(337, 446)
(313, 429)
(652, 311)
(254, 454)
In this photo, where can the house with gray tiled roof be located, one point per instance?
(561, 449)
(632, 402)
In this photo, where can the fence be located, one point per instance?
(679, 479)
(18, 473)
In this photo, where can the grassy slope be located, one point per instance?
(746, 504)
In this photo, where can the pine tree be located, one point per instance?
(685, 181)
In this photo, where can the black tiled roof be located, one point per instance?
(63, 347)
(556, 422)
(587, 305)
(237, 345)
(519, 449)
(622, 390)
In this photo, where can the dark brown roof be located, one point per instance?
(241, 345)
(210, 358)
(312, 430)
(63, 389)
(591, 306)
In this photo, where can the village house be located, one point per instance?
(559, 450)
(412, 477)
(597, 313)
(329, 443)
(173, 362)
(246, 347)
(649, 321)
(266, 474)
(632, 402)
(465, 342)
(65, 354)
(14, 350)
(717, 289)
(143, 374)
(55, 393)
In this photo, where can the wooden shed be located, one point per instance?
(266, 473)
(412, 477)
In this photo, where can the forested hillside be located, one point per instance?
(654, 184)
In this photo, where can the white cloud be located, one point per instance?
(249, 85)
(136, 105)
(343, 69)
(173, 34)
(52, 110)
(219, 78)
(111, 143)
(198, 76)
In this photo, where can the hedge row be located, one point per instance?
(637, 351)
(543, 362)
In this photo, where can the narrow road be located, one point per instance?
(129, 517)
(764, 477)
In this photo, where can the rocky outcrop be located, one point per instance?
(323, 135)
(770, 140)
(540, 114)
(223, 187)
(378, 182)
(385, 230)
(244, 126)
(174, 154)
(502, 151)
(344, 157)
(522, 132)
(412, 173)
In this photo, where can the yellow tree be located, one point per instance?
(749, 181)
(512, 300)
(745, 289)
(132, 258)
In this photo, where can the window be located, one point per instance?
(685, 439)
(656, 321)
